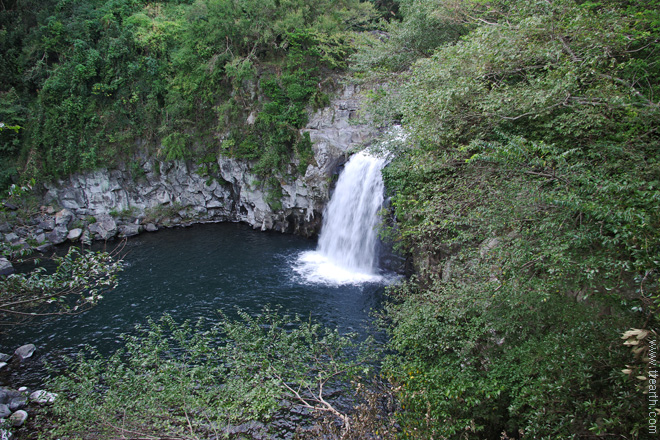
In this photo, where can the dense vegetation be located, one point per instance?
(85, 84)
(527, 192)
(198, 380)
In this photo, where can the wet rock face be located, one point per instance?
(234, 194)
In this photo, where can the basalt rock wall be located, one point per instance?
(170, 193)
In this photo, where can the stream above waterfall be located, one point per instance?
(191, 273)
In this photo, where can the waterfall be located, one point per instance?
(348, 244)
(349, 236)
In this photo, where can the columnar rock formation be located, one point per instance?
(107, 203)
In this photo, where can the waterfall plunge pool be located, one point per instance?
(191, 273)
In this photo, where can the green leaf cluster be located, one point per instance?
(526, 195)
(92, 82)
(78, 281)
(195, 380)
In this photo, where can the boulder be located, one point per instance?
(150, 227)
(44, 247)
(47, 224)
(6, 267)
(74, 234)
(17, 403)
(104, 228)
(129, 230)
(4, 411)
(488, 245)
(21, 243)
(4, 357)
(3, 365)
(63, 218)
(43, 397)
(18, 418)
(40, 238)
(12, 237)
(58, 235)
(25, 351)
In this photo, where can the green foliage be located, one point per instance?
(160, 213)
(77, 283)
(274, 138)
(425, 25)
(25, 202)
(91, 82)
(174, 147)
(526, 197)
(192, 381)
(126, 213)
(11, 118)
(475, 360)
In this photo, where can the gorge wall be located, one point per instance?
(168, 193)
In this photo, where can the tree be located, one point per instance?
(188, 381)
(78, 282)
(526, 196)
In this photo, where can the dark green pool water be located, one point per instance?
(190, 273)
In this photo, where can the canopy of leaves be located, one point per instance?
(89, 82)
(188, 381)
(526, 193)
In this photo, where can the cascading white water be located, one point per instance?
(347, 250)
(349, 236)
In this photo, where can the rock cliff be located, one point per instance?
(105, 203)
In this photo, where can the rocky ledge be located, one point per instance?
(121, 202)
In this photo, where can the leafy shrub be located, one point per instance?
(194, 380)
(526, 198)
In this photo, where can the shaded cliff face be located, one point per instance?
(234, 194)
